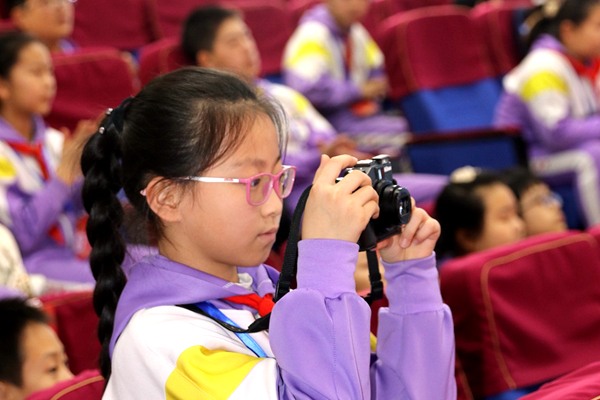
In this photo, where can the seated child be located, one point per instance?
(334, 62)
(40, 197)
(199, 155)
(540, 208)
(477, 211)
(51, 21)
(552, 95)
(32, 357)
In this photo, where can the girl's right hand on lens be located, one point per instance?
(339, 210)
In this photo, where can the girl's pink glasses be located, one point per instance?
(258, 187)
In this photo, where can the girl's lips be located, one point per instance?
(269, 235)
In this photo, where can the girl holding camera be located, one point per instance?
(198, 154)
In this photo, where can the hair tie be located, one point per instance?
(116, 117)
(466, 174)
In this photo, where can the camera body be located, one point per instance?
(395, 205)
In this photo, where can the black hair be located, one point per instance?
(200, 29)
(178, 125)
(460, 207)
(11, 44)
(11, 4)
(520, 180)
(15, 315)
(548, 17)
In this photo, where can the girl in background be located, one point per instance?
(552, 95)
(40, 198)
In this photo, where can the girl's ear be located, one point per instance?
(4, 90)
(204, 59)
(163, 197)
(465, 241)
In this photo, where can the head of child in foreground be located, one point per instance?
(540, 208)
(32, 358)
(476, 213)
(48, 20)
(189, 123)
(27, 84)
(215, 37)
(575, 23)
(348, 12)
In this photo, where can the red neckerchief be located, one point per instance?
(365, 107)
(33, 150)
(263, 305)
(587, 71)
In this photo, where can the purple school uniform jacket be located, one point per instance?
(317, 346)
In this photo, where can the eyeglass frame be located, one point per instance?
(549, 199)
(248, 181)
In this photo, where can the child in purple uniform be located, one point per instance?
(212, 189)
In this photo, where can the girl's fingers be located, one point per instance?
(411, 228)
(354, 181)
(430, 229)
(330, 169)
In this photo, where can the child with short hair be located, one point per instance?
(51, 21)
(198, 154)
(32, 357)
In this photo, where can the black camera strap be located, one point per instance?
(290, 259)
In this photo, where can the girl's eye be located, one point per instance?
(255, 182)
(52, 370)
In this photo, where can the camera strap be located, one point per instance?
(290, 259)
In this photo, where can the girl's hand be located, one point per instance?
(69, 168)
(343, 210)
(417, 239)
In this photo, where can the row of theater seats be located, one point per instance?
(524, 314)
(444, 65)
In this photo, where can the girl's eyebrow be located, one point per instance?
(256, 162)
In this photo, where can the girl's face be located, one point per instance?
(48, 20)
(219, 226)
(542, 211)
(44, 361)
(583, 40)
(31, 85)
(501, 221)
(234, 49)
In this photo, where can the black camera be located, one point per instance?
(394, 202)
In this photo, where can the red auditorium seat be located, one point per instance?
(405, 5)
(88, 385)
(525, 313)
(595, 232)
(88, 82)
(495, 24)
(76, 324)
(6, 25)
(123, 24)
(167, 17)
(582, 384)
(378, 12)
(159, 58)
(271, 24)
